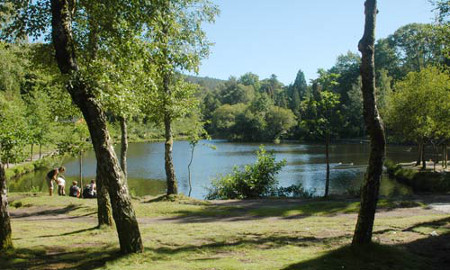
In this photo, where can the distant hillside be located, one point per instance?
(206, 83)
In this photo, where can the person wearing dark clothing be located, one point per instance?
(53, 176)
(74, 190)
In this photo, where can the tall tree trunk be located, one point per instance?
(444, 156)
(424, 162)
(189, 168)
(5, 222)
(108, 168)
(372, 119)
(124, 145)
(327, 157)
(40, 151)
(172, 187)
(420, 152)
(81, 172)
(104, 214)
(31, 152)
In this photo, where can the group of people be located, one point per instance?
(55, 175)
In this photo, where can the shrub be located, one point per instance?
(255, 180)
(294, 191)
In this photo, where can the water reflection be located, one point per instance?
(305, 165)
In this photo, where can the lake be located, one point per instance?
(305, 165)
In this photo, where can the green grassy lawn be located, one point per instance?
(181, 233)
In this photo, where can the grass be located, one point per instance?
(181, 233)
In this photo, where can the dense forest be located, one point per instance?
(252, 109)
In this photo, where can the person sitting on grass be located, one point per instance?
(61, 186)
(74, 190)
(53, 176)
(90, 190)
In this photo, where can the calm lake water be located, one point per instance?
(305, 165)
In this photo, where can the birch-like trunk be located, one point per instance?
(124, 145)
(108, 168)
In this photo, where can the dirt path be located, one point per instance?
(241, 210)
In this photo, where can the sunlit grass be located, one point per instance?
(180, 233)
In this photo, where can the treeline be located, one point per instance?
(252, 109)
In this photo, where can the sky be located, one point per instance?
(282, 36)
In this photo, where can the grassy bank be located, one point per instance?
(419, 181)
(60, 232)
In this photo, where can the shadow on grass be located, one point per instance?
(243, 210)
(258, 209)
(371, 257)
(257, 242)
(48, 212)
(429, 253)
(86, 258)
(435, 224)
(69, 233)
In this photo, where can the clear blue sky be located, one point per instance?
(282, 36)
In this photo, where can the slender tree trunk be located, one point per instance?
(327, 157)
(31, 152)
(81, 172)
(172, 187)
(372, 119)
(104, 214)
(108, 168)
(420, 152)
(124, 145)
(444, 156)
(189, 168)
(424, 162)
(5, 222)
(40, 151)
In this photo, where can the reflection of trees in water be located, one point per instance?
(345, 181)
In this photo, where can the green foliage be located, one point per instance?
(419, 107)
(13, 133)
(253, 181)
(323, 115)
(76, 140)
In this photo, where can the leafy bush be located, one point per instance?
(255, 180)
(294, 191)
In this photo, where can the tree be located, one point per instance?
(196, 134)
(419, 110)
(13, 129)
(322, 123)
(297, 92)
(234, 92)
(374, 125)
(5, 221)
(442, 8)
(279, 122)
(177, 43)
(250, 79)
(107, 169)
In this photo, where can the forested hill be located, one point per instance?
(206, 83)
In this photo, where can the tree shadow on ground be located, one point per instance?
(259, 209)
(48, 212)
(256, 241)
(435, 224)
(427, 253)
(69, 233)
(58, 258)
